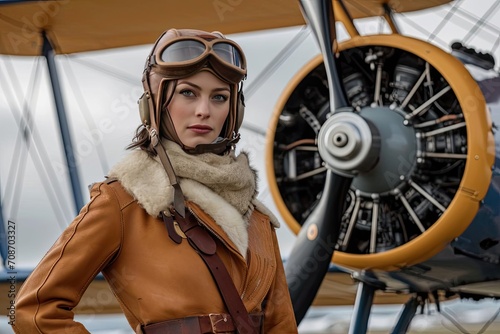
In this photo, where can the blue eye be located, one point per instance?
(221, 97)
(186, 92)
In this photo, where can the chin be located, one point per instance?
(194, 143)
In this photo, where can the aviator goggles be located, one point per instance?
(185, 55)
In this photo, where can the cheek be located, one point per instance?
(177, 113)
(222, 116)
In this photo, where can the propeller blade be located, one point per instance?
(319, 16)
(313, 250)
(312, 253)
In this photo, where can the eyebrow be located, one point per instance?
(199, 88)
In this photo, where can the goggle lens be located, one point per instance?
(186, 50)
(228, 53)
(182, 51)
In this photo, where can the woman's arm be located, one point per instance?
(46, 300)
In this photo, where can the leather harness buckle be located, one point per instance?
(219, 322)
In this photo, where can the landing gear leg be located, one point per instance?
(362, 308)
(406, 316)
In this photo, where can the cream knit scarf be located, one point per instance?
(228, 176)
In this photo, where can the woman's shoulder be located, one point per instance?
(113, 189)
(264, 213)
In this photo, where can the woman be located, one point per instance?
(145, 227)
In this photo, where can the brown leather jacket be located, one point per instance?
(153, 278)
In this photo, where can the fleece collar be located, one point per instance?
(146, 180)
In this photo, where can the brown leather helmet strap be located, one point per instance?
(178, 195)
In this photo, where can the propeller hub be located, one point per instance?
(348, 143)
(397, 155)
(340, 139)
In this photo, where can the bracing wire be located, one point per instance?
(486, 27)
(443, 22)
(489, 322)
(482, 20)
(106, 69)
(18, 164)
(275, 63)
(420, 29)
(473, 18)
(38, 153)
(465, 331)
(269, 70)
(84, 110)
(462, 330)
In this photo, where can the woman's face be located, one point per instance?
(199, 108)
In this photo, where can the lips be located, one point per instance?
(199, 128)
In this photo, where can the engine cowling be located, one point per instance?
(434, 161)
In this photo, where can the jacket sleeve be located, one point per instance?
(278, 312)
(46, 299)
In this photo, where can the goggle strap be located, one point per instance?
(152, 53)
(176, 73)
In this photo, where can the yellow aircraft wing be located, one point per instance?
(79, 26)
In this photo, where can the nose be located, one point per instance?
(203, 108)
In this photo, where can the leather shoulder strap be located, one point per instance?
(204, 244)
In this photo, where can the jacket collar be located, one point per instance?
(146, 180)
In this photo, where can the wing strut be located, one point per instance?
(49, 54)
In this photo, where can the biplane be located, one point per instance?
(380, 154)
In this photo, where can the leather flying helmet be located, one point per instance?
(179, 53)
